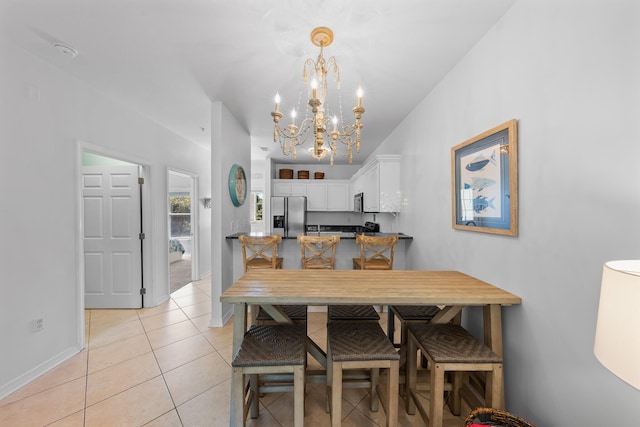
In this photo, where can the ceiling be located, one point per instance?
(169, 59)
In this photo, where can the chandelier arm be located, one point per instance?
(288, 142)
(336, 70)
(302, 129)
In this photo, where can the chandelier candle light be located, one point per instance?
(293, 135)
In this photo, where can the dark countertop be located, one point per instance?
(343, 235)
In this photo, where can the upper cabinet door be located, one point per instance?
(338, 196)
(371, 189)
(389, 179)
(316, 197)
(288, 188)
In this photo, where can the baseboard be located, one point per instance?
(225, 318)
(43, 368)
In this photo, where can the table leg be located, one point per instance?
(447, 314)
(492, 315)
(390, 325)
(239, 325)
(239, 328)
(276, 313)
(493, 328)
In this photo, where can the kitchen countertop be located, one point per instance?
(343, 235)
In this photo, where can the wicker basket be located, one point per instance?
(286, 174)
(303, 174)
(318, 175)
(487, 416)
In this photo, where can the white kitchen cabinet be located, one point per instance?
(331, 195)
(286, 187)
(338, 196)
(371, 188)
(381, 176)
(322, 195)
(317, 197)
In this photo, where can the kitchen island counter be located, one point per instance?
(343, 235)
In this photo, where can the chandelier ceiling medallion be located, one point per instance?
(314, 75)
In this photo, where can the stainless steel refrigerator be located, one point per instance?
(289, 215)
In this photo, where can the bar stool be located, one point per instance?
(361, 345)
(318, 252)
(260, 252)
(376, 253)
(448, 348)
(255, 251)
(269, 349)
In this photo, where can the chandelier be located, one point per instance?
(315, 74)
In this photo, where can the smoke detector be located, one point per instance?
(65, 49)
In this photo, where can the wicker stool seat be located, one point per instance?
(351, 312)
(361, 345)
(297, 313)
(269, 349)
(408, 314)
(449, 348)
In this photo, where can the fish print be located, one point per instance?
(476, 165)
(481, 203)
(479, 184)
(480, 162)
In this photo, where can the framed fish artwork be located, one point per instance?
(484, 182)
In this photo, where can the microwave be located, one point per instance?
(358, 202)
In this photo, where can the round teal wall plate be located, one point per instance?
(237, 185)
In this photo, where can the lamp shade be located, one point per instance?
(617, 342)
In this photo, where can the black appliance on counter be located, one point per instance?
(371, 227)
(344, 230)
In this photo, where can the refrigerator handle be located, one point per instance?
(286, 217)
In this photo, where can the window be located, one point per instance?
(180, 214)
(256, 206)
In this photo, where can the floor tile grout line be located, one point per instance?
(115, 364)
(164, 379)
(175, 407)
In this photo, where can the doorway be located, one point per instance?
(112, 232)
(182, 209)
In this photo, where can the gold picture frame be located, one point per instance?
(484, 182)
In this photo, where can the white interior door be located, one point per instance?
(112, 249)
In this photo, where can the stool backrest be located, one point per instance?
(259, 251)
(318, 252)
(376, 252)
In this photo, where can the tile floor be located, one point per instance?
(164, 366)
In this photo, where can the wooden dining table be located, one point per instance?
(451, 290)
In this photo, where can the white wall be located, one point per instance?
(46, 117)
(230, 144)
(569, 71)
